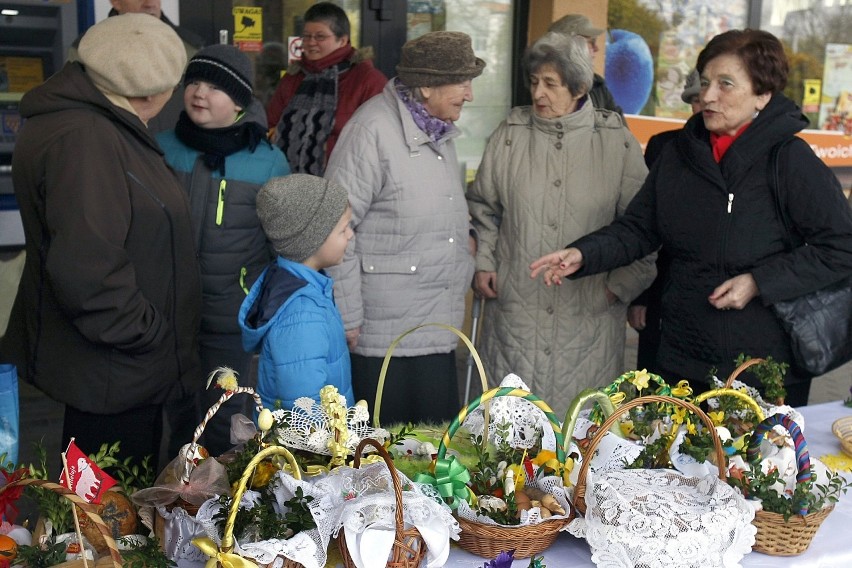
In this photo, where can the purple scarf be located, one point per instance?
(434, 127)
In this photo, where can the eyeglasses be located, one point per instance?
(319, 38)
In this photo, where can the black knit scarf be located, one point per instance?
(216, 144)
(307, 121)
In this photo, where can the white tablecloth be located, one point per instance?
(830, 548)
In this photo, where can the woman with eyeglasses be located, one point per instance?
(319, 93)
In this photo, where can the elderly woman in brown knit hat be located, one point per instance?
(410, 262)
(107, 311)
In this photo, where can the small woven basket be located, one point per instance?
(489, 540)
(114, 558)
(227, 545)
(718, 452)
(409, 548)
(776, 536)
(842, 428)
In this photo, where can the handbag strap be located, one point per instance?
(775, 184)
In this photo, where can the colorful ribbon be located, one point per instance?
(217, 557)
(451, 479)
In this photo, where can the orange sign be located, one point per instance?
(832, 147)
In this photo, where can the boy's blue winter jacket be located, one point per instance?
(289, 316)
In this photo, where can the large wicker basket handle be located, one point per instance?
(228, 536)
(190, 463)
(727, 391)
(743, 366)
(397, 486)
(504, 391)
(378, 404)
(803, 458)
(580, 401)
(83, 505)
(579, 489)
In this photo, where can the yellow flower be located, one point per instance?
(682, 390)
(679, 415)
(640, 379)
(617, 398)
(543, 457)
(626, 428)
(690, 428)
(718, 417)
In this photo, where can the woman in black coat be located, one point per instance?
(708, 202)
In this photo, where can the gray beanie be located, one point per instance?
(438, 58)
(692, 87)
(298, 213)
(133, 55)
(226, 67)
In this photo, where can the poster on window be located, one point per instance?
(688, 28)
(835, 109)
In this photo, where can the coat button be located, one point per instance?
(559, 145)
(452, 240)
(559, 125)
(413, 268)
(440, 157)
(560, 135)
(547, 350)
(557, 183)
(549, 309)
(371, 268)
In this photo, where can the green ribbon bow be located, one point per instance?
(451, 478)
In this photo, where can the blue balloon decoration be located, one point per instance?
(629, 70)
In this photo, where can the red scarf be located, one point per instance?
(333, 58)
(721, 142)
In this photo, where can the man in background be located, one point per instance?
(577, 24)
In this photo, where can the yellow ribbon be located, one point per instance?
(226, 559)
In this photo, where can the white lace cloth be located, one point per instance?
(310, 428)
(522, 417)
(661, 518)
(308, 548)
(361, 503)
(179, 529)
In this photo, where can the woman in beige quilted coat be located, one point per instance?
(551, 173)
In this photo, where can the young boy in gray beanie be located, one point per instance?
(289, 315)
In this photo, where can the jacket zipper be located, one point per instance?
(730, 201)
(725, 331)
(220, 206)
(243, 274)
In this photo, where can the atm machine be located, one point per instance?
(34, 38)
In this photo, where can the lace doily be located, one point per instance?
(310, 427)
(660, 518)
(361, 503)
(522, 417)
(308, 548)
(179, 529)
(611, 454)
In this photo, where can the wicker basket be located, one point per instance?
(842, 428)
(114, 558)
(718, 452)
(409, 548)
(489, 540)
(227, 545)
(775, 536)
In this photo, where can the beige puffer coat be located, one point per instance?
(542, 184)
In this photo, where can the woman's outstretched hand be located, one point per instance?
(557, 265)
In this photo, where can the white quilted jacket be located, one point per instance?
(409, 262)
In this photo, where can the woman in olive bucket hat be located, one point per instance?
(411, 260)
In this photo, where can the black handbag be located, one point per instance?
(819, 323)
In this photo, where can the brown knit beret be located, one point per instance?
(133, 55)
(438, 58)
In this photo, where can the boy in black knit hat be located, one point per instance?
(220, 153)
(289, 315)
